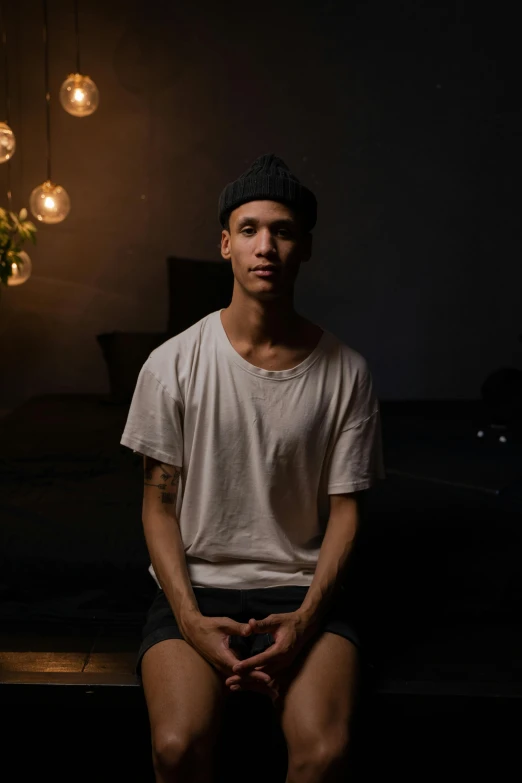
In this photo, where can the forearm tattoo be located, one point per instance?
(168, 479)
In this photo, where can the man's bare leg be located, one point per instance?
(184, 697)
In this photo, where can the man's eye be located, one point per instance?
(245, 230)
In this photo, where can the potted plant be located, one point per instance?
(14, 231)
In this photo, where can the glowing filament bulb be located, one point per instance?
(79, 95)
(49, 203)
(7, 142)
(20, 271)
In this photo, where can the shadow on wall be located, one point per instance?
(143, 57)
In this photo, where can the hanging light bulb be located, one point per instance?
(7, 137)
(7, 142)
(79, 95)
(21, 271)
(50, 203)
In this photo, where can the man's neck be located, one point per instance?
(263, 326)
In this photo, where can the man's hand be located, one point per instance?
(246, 682)
(210, 636)
(290, 631)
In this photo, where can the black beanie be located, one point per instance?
(269, 178)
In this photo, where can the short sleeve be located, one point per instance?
(356, 461)
(154, 424)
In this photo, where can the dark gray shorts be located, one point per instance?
(241, 605)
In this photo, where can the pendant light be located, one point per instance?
(7, 137)
(22, 271)
(49, 202)
(7, 142)
(78, 94)
(21, 268)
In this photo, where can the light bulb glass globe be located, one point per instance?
(7, 142)
(21, 271)
(49, 203)
(79, 95)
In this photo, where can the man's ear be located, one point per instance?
(225, 245)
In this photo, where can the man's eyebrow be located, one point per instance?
(244, 221)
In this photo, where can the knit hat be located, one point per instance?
(269, 178)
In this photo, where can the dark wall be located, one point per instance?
(404, 118)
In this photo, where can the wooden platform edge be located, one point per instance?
(106, 679)
(403, 688)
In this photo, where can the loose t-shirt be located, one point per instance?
(260, 451)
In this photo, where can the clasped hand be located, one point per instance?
(290, 632)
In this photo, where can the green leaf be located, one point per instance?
(23, 213)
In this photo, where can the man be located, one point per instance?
(271, 426)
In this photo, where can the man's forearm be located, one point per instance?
(332, 563)
(167, 555)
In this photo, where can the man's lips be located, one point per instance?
(265, 272)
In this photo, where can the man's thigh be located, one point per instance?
(184, 696)
(318, 691)
(329, 661)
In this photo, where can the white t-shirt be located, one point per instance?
(259, 450)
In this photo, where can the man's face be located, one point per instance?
(265, 233)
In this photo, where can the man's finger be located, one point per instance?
(229, 658)
(265, 625)
(237, 679)
(270, 690)
(233, 627)
(258, 660)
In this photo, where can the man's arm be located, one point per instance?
(163, 537)
(334, 554)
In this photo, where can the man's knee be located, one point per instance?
(314, 759)
(176, 757)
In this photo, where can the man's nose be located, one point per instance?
(265, 243)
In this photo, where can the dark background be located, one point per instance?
(404, 118)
